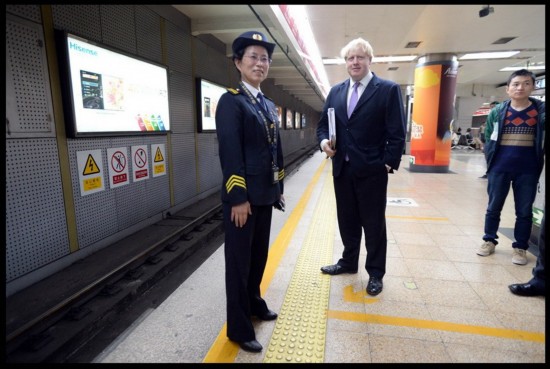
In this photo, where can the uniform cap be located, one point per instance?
(252, 38)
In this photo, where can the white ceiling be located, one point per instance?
(454, 29)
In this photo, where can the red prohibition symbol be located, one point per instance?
(140, 158)
(118, 161)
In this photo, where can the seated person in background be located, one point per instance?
(471, 140)
(454, 139)
(482, 134)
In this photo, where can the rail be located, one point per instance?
(109, 277)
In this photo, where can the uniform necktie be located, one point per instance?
(354, 98)
(261, 100)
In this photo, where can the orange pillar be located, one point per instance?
(432, 117)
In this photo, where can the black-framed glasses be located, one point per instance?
(256, 59)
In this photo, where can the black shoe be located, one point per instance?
(251, 346)
(374, 287)
(526, 289)
(268, 315)
(336, 269)
(483, 176)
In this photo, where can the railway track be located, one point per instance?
(75, 319)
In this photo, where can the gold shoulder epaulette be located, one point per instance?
(233, 91)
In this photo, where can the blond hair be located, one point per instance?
(357, 44)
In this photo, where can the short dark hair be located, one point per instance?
(521, 72)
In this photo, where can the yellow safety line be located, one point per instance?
(438, 325)
(225, 351)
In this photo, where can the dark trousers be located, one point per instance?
(361, 206)
(539, 276)
(246, 252)
(524, 187)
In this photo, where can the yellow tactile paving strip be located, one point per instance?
(225, 351)
(300, 330)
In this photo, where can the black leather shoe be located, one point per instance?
(268, 315)
(336, 269)
(251, 346)
(526, 289)
(374, 287)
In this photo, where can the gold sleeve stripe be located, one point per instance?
(281, 174)
(233, 181)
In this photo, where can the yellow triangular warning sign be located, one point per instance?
(158, 155)
(91, 166)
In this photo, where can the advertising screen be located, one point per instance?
(109, 93)
(209, 94)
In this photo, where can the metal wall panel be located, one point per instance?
(81, 20)
(212, 65)
(210, 172)
(107, 212)
(148, 34)
(157, 188)
(30, 12)
(138, 201)
(118, 27)
(184, 166)
(182, 102)
(96, 214)
(178, 49)
(36, 228)
(29, 110)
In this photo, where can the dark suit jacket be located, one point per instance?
(245, 156)
(374, 135)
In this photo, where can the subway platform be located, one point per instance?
(441, 303)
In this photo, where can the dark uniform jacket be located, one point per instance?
(245, 153)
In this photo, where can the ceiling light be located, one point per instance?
(376, 59)
(489, 55)
(389, 59)
(531, 67)
(333, 61)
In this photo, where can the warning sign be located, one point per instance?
(158, 155)
(159, 164)
(90, 169)
(91, 166)
(139, 163)
(118, 166)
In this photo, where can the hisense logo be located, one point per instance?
(77, 47)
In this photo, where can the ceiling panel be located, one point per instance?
(454, 29)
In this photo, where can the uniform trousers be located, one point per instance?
(246, 251)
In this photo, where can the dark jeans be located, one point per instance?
(524, 187)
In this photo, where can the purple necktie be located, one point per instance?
(353, 99)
